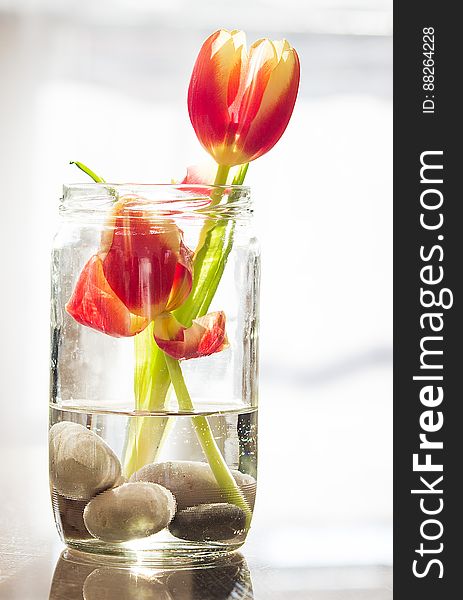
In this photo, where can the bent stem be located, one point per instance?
(205, 437)
(96, 178)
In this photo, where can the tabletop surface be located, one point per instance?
(35, 566)
(39, 576)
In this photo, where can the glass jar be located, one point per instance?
(154, 364)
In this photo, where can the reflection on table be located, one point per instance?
(79, 576)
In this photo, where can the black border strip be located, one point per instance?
(417, 132)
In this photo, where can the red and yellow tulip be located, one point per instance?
(240, 101)
(142, 272)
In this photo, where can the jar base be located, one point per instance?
(162, 555)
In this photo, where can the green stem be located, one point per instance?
(145, 435)
(216, 242)
(221, 175)
(240, 176)
(217, 194)
(96, 178)
(205, 436)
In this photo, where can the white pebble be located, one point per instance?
(81, 463)
(129, 512)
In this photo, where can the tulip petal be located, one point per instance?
(201, 174)
(145, 261)
(262, 60)
(183, 278)
(94, 304)
(237, 71)
(205, 336)
(201, 178)
(214, 82)
(276, 104)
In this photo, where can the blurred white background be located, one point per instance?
(105, 83)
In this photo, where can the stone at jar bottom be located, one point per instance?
(130, 511)
(181, 496)
(81, 463)
(209, 522)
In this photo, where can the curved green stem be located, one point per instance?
(205, 436)
(96, 178)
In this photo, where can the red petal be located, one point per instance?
(198, 174)
(213, 84)
(237, 70)
(262, 60)
(201, 178)
(183, 278)
(94, 304)
(214, 338)
(205, 336)
(145, 261)
(275, 108)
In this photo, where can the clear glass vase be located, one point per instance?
(154, 365)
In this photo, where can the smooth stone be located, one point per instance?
(193, 482)
(129, 512)
(122, 584)
(209, 522)
(81, 463)
(71, 517)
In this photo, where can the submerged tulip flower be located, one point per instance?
(142, 271)
(145, 261)
(205, 336)
(93, 303)
(240, 101)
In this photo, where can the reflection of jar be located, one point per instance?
(222, 579)
(153, 409)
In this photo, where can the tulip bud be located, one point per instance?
(240, 101)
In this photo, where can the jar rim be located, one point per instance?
(123, 184)
(161, 199)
